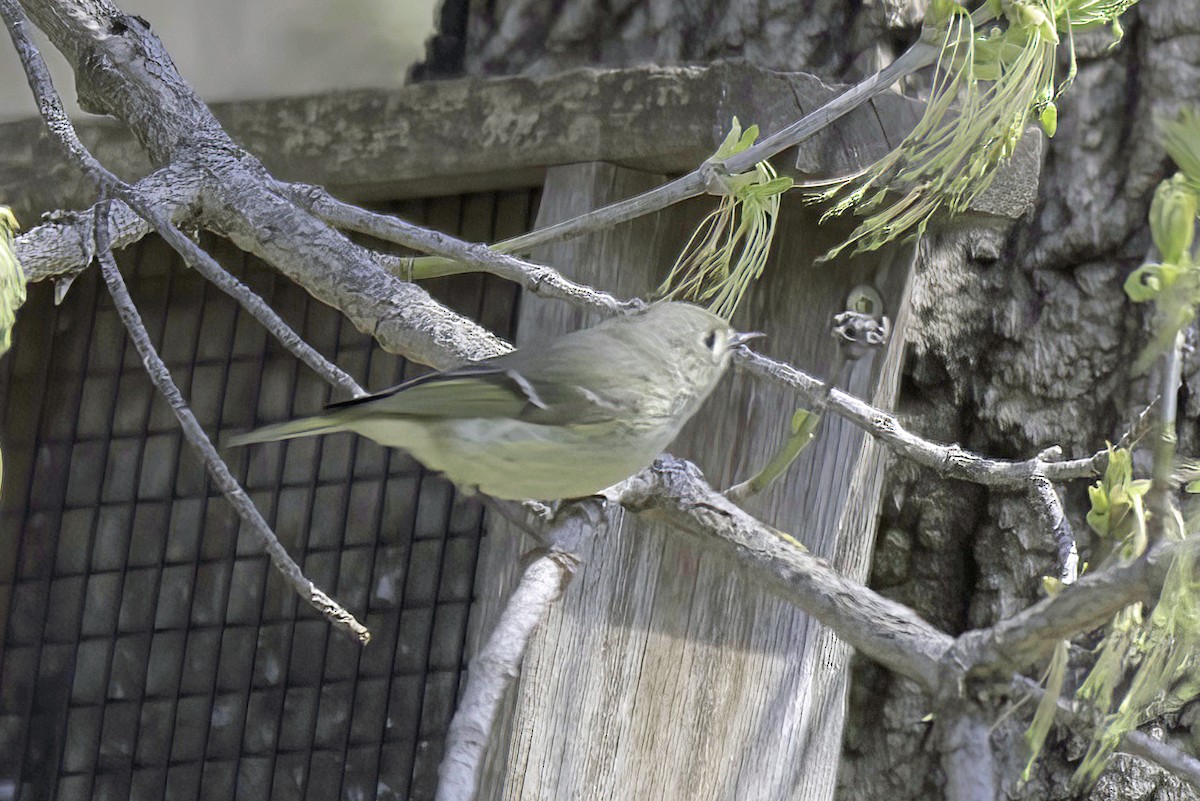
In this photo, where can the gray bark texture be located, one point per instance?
(1020, 341)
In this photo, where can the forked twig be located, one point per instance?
(161, 377)
(58, 123)
(499, 661)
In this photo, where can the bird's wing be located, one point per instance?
(487, 390)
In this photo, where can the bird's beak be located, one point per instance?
(740, 338)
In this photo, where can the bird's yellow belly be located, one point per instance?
(517, 460)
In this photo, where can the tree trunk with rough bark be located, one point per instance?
(1017, 341)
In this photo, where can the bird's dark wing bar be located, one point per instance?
(483, 391)
(403, 386)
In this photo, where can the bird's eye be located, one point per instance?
(710, 340)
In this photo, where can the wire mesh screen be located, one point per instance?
(149, 651)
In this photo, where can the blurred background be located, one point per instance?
(233, 50)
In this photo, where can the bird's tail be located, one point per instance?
(304, 427)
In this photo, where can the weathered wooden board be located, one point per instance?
(473, 134)
(664, 671)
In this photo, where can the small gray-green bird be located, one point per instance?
(558, 419)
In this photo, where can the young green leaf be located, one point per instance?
(1181, 139)
(12, 278)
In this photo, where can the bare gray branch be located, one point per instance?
(499, 661)
(161, 376)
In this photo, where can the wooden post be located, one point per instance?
(663, 672)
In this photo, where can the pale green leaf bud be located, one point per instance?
(1049, 119)
(1148, 281)
(1173, 219)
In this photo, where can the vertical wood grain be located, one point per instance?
(664, 672)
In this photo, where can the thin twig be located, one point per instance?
(1182, 764)
(161, 377)
(499, 661)
(58, 123)
(1050, 510)
(196, 258)
(950, 461)
(1141, 426)
(539, 279)
(1159, 501)
(60, 126)
(922, 54)
(694, 184)
(697, 182)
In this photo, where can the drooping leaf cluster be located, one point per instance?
(1148, 662)
(729, 249)
(995, 74)
(991, 81)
